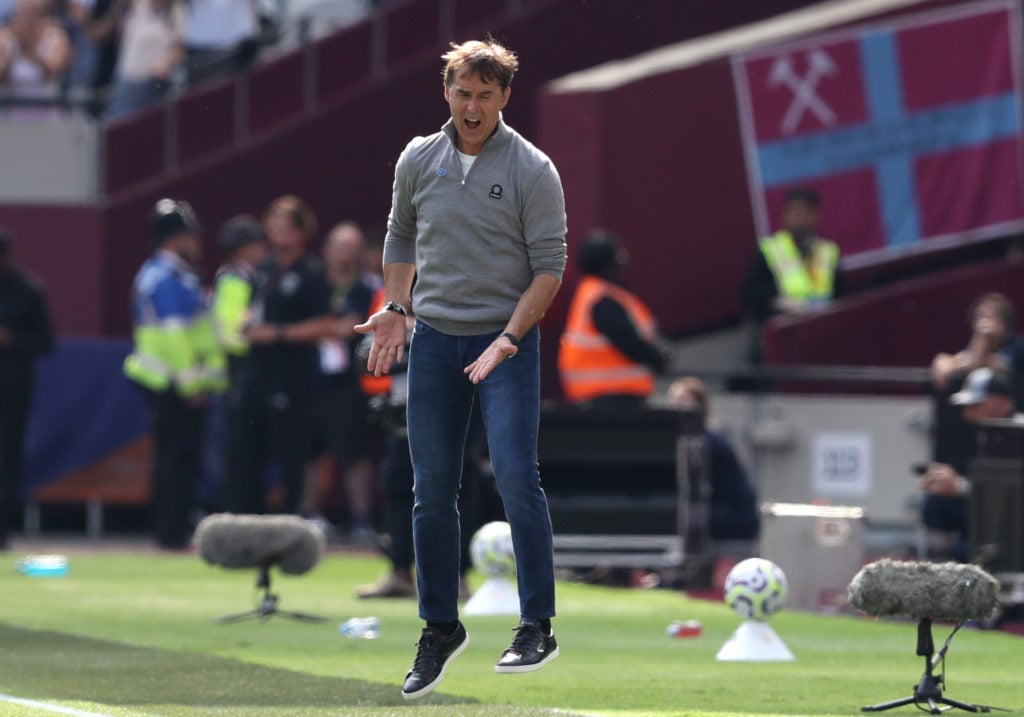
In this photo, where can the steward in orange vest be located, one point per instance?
(610, 346)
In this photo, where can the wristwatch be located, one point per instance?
(396, 307)
(511, 338)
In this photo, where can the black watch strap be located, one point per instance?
(396, 307)
(511, 337)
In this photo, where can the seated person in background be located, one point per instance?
(610, 349)
(34, 54)
(732, 512)
(986, 394)
(722, 518)
(152, 48)
(993, 344)
(794, 269)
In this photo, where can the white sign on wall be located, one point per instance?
(842, 464)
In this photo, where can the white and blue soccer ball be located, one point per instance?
(491, 550)
(756, 589)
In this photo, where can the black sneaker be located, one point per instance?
(530, 650)
(433, 653)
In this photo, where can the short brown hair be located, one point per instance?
(297, 211)
(1007, 314)
(486, 58)
(696, 388)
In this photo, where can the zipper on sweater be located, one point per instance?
(458, 161)
(462, 172)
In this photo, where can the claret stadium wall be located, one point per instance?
(652, 148)
(325, 122)
(658, 159)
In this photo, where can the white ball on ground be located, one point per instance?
(491, 550)
(756, 589)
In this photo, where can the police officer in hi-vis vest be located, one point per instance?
(794, 269)
(177, 361)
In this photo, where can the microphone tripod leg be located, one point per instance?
(985, 709)
(902, 702)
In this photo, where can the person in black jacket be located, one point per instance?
(288, 316)
(723, 500)
(25, 332)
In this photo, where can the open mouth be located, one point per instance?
(472, 123)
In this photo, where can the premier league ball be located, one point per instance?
(491, 550)
(756, 589)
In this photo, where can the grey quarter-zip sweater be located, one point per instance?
(477, 240)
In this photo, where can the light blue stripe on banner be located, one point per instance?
(937, 131)
(880, 63)
(897, 199)
(890, 139)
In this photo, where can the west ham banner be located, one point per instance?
(908, 130)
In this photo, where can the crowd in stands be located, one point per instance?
(115, 57)
(35, 53)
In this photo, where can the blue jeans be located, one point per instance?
(440, 401)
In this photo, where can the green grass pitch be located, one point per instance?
(133, 634)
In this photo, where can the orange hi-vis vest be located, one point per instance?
(376, 385)
(588, 363)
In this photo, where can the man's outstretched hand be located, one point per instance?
(388, 345)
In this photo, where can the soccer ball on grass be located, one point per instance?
(491, 550)
(756, 589)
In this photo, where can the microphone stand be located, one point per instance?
(267, 606)
(928, 695)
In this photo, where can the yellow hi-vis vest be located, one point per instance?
(185, 356)
(589, 365)
(795, 278)
(175, 344)
(231, 295)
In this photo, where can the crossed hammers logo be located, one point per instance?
(804, 89)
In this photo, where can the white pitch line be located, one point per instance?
(48, 707)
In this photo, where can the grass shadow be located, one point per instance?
(53, 665)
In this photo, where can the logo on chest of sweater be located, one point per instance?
(495, 192)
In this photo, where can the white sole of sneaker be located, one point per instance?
(516, 669)
(426, 690)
